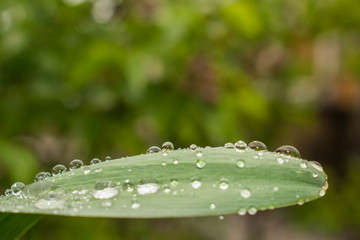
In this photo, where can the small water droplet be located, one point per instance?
(193, 147)
(153, 149)
(252, 211)
(174, 182)
(245, 192)
(303, 164)
(240, 164)
(196, 183)
(58, 169)
(128, 186)
(241, 211)
(276, 188)
(229, 145)
(41, 176)
(315, 174)
(300, 202)
(326, 185)
(148, 186)
(7, 192)
(322, 193)
(16, 188)
(163, 163)
(240, 146)
(200, 163)
(135, 204)
(175, 161)
(86, 170)
(280, 160)
(165, 154)
(105, 190)
(108, 158)
(257, 146)
(167, 146)
(75, 164)
(317, 166)
(95, 161)
(288, 151)
(212, 206)
(107, 204)
(98, 170)
(221, 217)
(223, 184)
(166, 189)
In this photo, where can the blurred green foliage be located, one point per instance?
(90, 78)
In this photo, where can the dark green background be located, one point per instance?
(84, 79)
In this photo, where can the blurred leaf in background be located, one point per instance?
(91, 78)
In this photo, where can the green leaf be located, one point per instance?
(178, 183)
(13, 225)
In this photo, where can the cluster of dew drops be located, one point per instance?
(108, 189)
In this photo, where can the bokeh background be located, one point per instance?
(91, 78)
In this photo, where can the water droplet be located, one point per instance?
(199, 153)
(196, 183)
(303, 164)
(245, 193)
(148, 186)
(166, 189)
(163, 163)
(174, 182)
(326, 185)
(322, 193)
(317, 166)
(221, 217)
(165, 154)
(7, 192)
(315, 174)
(16, 188)
(105, 190)
(58, 169)
(52, 200)
(95, 161)
(98, 170)
(212, 206)
(300, 202)
(128, 186)
(41, 176)
(38, 189)
(200, 163)
(75, 164)
(288, 151)
(252, 211)
(257, 146)
(108, 158)
(280, 160)
(241, 211)
(229, 145)
(240, 164)
(153, 149)
(167, 146)
(240, 146)
(223, 184)
(276, 189)
(86, 170)
(193, 147)
(135, 204)
(175, 161)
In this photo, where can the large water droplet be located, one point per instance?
(240, 163)
(252, 211)
(288, 151)
(229, 145)
(257, 146)
(16, 188)
(128, 186)
(196, 183)
(52, 200)
(38, 189)
(41, 176)
(240, 146)
(148, 186)
(95, 161)
(153, 149)
(75, 164)
(58, 169)
(241, 211)
(317, 166)
(212, 206)
(200, 163)
(105, 190)
(245, 192)
(167, 146)
(193, 147)
(223, 184)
